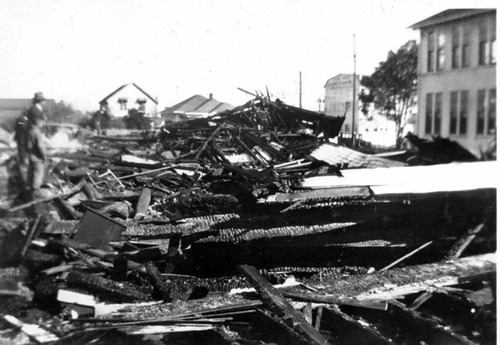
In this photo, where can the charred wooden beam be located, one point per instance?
(161, 290)
(106, 287)
(279, 305)
(308, 296)
(399, 282)
(459, 247)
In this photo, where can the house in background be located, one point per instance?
(126, 97)
(338, 99)
(457, 76)
(196, 106)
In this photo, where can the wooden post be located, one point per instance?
(143, 203)
(278, 304)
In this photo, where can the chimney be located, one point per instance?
(210, 95)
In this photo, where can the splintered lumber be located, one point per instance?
(30, 235)
(398, 282)
(161, 290)
(143, 203)
(405, 257)
(33, 331)
(106, 287)
(279, 305)
(308, 296)
(428, 330)
(73, 190)
(459, 247)
(209, 139)
(349, 328)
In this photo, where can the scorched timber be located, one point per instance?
(399, 282)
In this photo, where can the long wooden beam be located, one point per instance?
(279, 305)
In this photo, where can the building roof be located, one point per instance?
(342, 75)
(199, 104)
(124, 86)
(451, 15)
(14, 103)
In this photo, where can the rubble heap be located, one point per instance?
(249, 227)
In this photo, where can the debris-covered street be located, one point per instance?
(252, 226)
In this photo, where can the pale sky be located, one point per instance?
(81, 50)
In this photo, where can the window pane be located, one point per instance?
(493, 52)
(437, 113)
(466, 47)
(440, 52)
(481, 106)
(483, 44)
(455, 47)
(493, 44)
(464, 107)
(428, 113)
(453, 112)
(492, 111)
(430, 51)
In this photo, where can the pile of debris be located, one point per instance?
(249, 227)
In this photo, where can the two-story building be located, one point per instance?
(339, 98)
(126, 97)
(457, 76)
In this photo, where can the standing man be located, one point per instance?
(20, 138)
(35, 145)
(36, 110)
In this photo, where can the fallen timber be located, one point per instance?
(259, 186)
(376, 287)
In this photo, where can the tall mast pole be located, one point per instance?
(354, 107)
(300, 89)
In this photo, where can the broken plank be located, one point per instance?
(141, 209)
(278, 304)
(106, 287)
(428, 330)
(32, 330)
(405, 257)
(459, 247)
(349, 328)
(400, 282)
(328, 299)
(76, 189)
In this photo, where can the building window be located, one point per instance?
(123, 103)
(486, 111)
(433, 113)
(437, 113)
(455, 47)
(440, 52)
(466, 46)
(453, 112)
(484, 52)
(481, 111)
(430, 51)
(493, 44)
(428, 113)
(464, 107)
(492, 111)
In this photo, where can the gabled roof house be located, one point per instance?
(126, 97)
(196, 106)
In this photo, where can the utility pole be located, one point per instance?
(354, 107)
(300, 89)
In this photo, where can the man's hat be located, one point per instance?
(39, 97)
